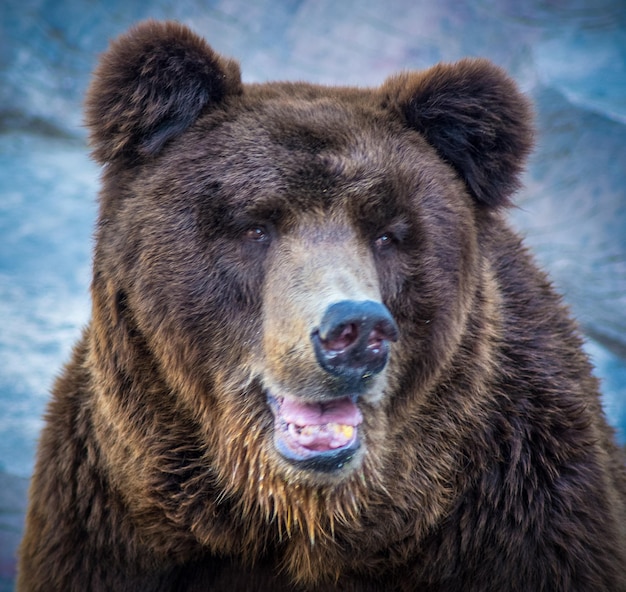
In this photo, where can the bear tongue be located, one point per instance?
(303, 413)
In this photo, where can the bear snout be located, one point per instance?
(352, 340)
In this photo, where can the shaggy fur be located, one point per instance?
(231, 218)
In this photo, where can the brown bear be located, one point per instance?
(318, 358)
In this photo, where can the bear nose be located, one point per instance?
(352, 340)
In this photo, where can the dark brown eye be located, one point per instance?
(257, 234)
(383, 241)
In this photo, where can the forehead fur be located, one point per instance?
(301, 154)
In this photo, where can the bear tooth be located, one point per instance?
(347, 431)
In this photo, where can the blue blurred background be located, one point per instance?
(570, 56)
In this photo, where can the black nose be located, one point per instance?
(352, 341)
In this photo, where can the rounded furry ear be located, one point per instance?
(151, 85)
(473, 114)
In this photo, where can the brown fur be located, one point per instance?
(231, 216)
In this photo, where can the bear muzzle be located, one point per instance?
(327, 341)
(351, 344)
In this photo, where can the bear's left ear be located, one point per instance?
(151, 85)
(473, 114)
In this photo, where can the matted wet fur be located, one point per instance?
(219, 429)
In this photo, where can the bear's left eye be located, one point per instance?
(257, 234)
(384, 241)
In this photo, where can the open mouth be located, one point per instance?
(318, 435)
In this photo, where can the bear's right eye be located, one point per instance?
(257, 234)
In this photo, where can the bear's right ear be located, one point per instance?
(150, 86)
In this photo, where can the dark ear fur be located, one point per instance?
(150, 85)
(473, 114)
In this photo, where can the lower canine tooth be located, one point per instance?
(347, 431)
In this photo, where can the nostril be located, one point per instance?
(347, 335)
(375, 340)
(383, 331)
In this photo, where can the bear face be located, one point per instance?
(287, 200)
(316, 346)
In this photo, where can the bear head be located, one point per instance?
(283, 271)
